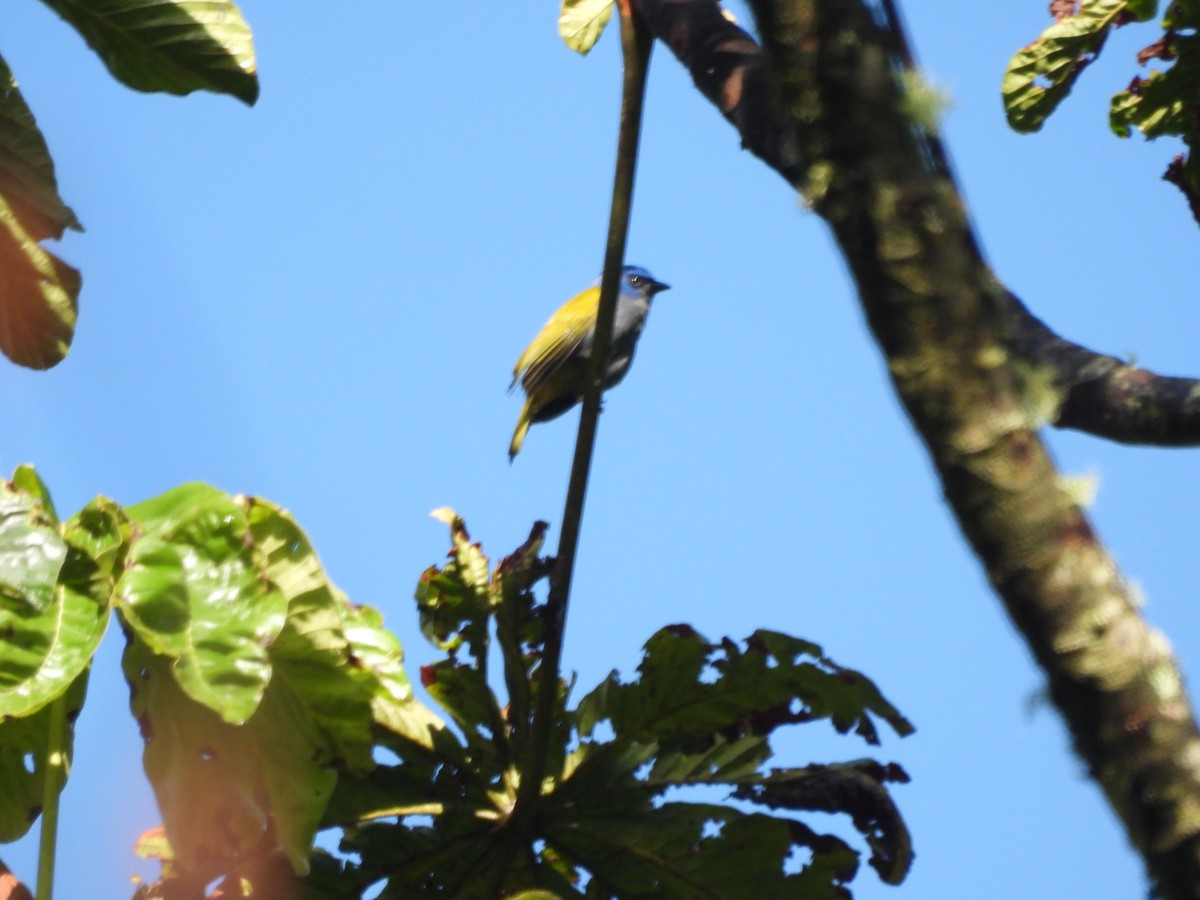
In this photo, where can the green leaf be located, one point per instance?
(777, 680)
(100, 531)
(312, 652)
(46, 652)
(228, 791)
(54, 603)
(1041, 75)
(580, 22)
(1164, 102)
(520, 624)
(39, 293)
(31, 552)
(410, 789)
(377, 652)
(847, 698)
(338, 658)
(23, 766)
(27, 179)
(464, 693)
(175, 46)
(700, 713)
(26, 480)
(690, 850)
(194, 590)
(414, 861)
(455, 601)
(857, 788)
(39, 296)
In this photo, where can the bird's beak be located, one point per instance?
(657, 287)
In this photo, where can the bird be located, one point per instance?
(553, 370)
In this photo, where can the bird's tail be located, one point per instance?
(518, 437)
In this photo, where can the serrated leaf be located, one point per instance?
(581, 22)
(228, 791)
(520, 625)
(700, 714)
(847, 697)
(27, 179)
(667, 847)
(855, 788)
(39, 296)
(23, 767)
(194, 590)
(777, 680)
(454, 601)
(175, 46)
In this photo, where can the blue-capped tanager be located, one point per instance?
(553, 370)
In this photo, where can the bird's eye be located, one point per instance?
(637, 280)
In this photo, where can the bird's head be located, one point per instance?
(637, 281)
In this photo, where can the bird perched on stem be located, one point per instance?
(553, 370)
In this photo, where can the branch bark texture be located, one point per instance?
(1100, 394)
(947, 328)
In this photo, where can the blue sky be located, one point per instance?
(319, 300)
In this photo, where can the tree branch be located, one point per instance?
(1104, 395)
(1100, 394)
(728, 68)
(940, 316)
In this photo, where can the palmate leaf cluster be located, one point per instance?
(1163, 102)
(253, 680)
(175, 46)
(608, 823)
(272, 708)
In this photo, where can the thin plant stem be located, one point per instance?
(636, 43)
(56, 770)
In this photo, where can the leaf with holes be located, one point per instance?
(23, 742)
(1041, 75)
(226, 791)
(1165, 102)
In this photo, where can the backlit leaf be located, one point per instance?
(26, 170)
(176, 46)
(39, 296)
(194, 590)
(228, 791)
(581, 22)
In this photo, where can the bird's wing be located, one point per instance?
(557, 340)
